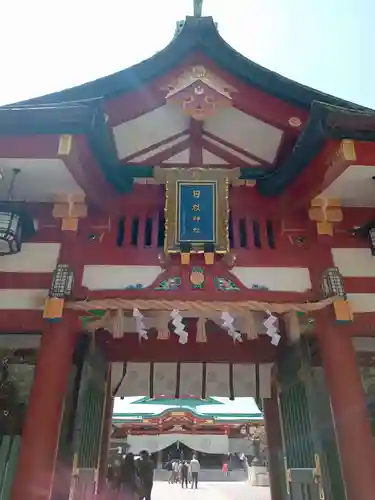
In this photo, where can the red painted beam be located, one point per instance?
(153, 146)
(158, 158)
(88, 175)
(311, 181)
(17, 281)
(230, 158)
(26, 321)
(29, 146)
(211, 165)
(131, 105)
(365, 152)
(219, 347)
(325, 168)
(196, 146)
(359, 285)
(235, 148)
(80, 163)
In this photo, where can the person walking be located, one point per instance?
(145, 470)
(175, 469)
(128, 477)
(225, 469)
(195, 468)
(184, 474)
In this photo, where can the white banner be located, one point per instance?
(206, 443)
(240, 445)
(165, 376)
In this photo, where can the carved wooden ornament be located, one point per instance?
(199, 93)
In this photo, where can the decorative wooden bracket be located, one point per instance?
(326, 212)
(343, 310)
(70, 209)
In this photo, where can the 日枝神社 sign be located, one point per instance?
(196, 209)
(197, 212)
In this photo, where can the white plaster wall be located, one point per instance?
(362, 302)
(33, 258)
(280, 279)
(119, 277)
(147, 129)
(22, 299)
(354, 262)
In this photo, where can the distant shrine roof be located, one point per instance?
(214, 408)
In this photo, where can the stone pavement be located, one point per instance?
(210, 491)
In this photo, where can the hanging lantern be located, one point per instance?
(333, 286)
(10, 233)
(62, 281)
(371, 236)
(62, 285)
(333, 283)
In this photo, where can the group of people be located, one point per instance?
(132, 479)
(184, 472)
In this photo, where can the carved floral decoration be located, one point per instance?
(225, 284)
(199, 92)
(169, 284)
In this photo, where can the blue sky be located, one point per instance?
(48, 45)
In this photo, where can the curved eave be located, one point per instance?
(325, 122)
(76, 118)
(197, 35)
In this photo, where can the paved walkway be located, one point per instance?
(211, 491)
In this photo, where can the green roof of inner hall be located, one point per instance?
(220, 409)
(80, 110)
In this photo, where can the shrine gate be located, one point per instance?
(195, 224)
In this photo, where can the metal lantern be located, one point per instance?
(10, 233)
(62, 282)
(333, 283)
(371, 236)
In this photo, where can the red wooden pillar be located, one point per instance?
(351, 418)
(40, 435)
(275, 447)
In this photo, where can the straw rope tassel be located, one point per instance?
(201, 330)
(163, 327)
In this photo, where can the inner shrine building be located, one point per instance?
(195, 225)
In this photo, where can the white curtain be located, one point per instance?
(240, 445)
(206, 443)
(150, 443)
(217, 379)
(165, 377)
(244, 380)
(136, 381)
(191, 379)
